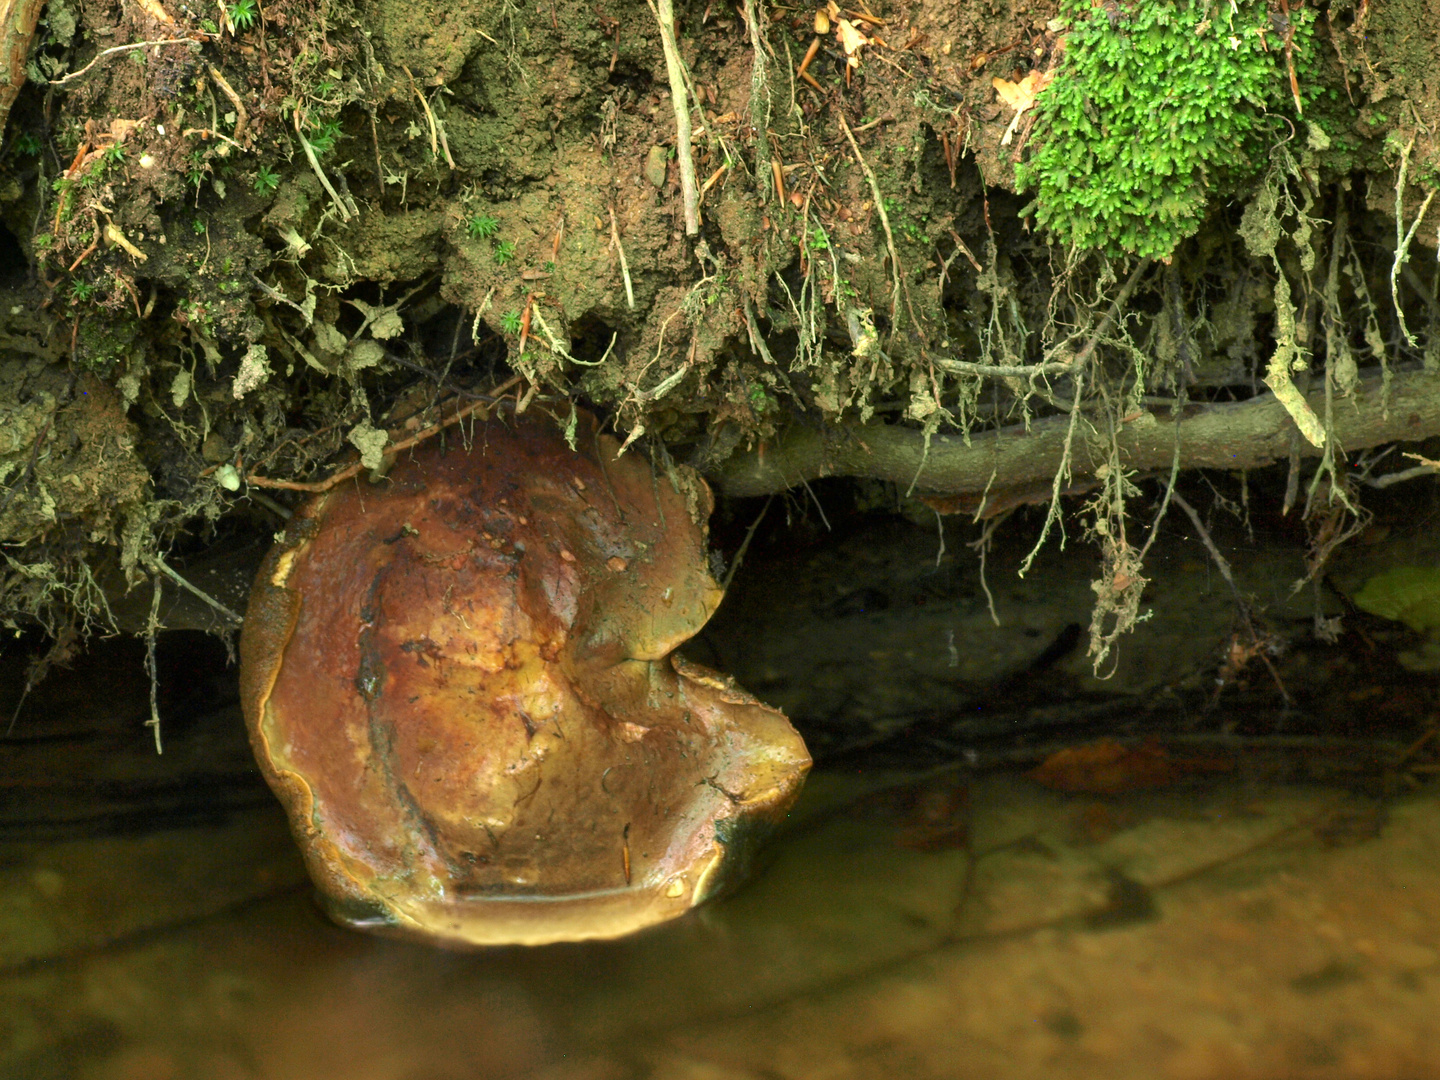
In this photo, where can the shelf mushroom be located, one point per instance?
(461, 683)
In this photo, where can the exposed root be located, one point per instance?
(680, 99)
(346, 209)
(884, 220)
(1404, 237)
(624, 265)
(393, 446)
(159, 564)
(1230, 435)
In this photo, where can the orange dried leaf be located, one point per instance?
(1108, 767)
(155, 11)
(850, 37)
(1021, 95)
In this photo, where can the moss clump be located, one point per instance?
(1156, 108)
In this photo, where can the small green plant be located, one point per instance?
(510, 322)
(27, 144)
(481, 225)
(114, 154)
(196, 168)
(1157, 108)
(759, 400)
(819, 241)
(504, 252)
(243, 13)
(323, 136)
(81, 291)
(198, 226)
(266, 180)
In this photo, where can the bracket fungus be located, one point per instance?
(462, 685)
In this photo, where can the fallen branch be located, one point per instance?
(1232, 435)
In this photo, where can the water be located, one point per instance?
(1233, 928)
(1272, 910)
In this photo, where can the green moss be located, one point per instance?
(1157, 108)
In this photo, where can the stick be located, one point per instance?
(157, 563)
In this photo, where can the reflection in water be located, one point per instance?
(940, 928)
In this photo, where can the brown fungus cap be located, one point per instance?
(460, 682)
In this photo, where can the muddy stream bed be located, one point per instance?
(1214, 885)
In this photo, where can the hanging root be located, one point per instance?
(1403, 237)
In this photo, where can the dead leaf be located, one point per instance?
(1020, 97)
(156, 12)
(120, 129)
(1109, 767)
(851, 40)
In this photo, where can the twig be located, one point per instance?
(680, 100)
(809, 56)
(1221, 563)
(757, 341)
(276, 294)
(315, 164)
(77, 75)
(86, 253)
(1399, 477)
(624, 265)
(884, 220)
